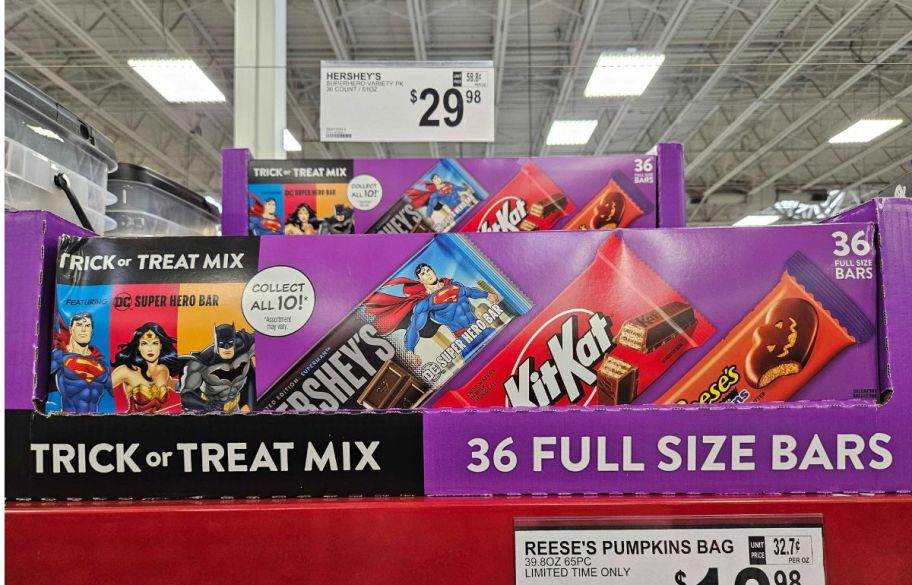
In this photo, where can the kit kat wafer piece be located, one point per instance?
(617, 382)
(650, 330)
(548, 206)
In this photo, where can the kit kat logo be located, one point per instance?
(566, 361)
(507, 217)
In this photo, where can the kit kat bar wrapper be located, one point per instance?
(569, 353)
(530, 201)
(437, 202)
(804, 322)
(617, 205)
(406, 339)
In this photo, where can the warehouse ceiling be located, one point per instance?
(752, 88)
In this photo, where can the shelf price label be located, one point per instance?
(678, 554)
(397, 101)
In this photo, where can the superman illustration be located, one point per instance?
(437, 193)
(262, 218)
(429, 303)
(78, 369)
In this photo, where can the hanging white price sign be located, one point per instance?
(395, 101)
(670, 555)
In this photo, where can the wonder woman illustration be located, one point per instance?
(145, 370)
(301, 221)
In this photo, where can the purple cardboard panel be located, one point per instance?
(234, 189)
(401, 195)
(673, 198)
(31, 248)
(873, 210)
(343, 323)
(798, 447)
(894, 222)
(795, 447)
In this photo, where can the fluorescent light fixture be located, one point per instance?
(571, 132)
(623, 74)
(754, 220)
(180, 81)
(290, 143)
(865, 131)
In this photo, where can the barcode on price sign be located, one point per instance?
(673, 554)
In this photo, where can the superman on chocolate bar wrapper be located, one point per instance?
(434, 203)
(419, 328)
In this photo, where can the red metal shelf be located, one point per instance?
(402, 541)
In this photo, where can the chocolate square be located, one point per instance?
(382, 389)
(617, 382)
(410, 394)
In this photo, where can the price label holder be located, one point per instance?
(407, 101)
(670, 551)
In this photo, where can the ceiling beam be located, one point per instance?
(185, 127)
(889, 139)
(342, 53)
(417, 22)
(905, 159)
(722, 69)
(310, 129)
(810, 114)
(729, 131)
(196, 22)
(139, 142)
(153, 21)
(340, 49)
(668, 33)
(501, 35)
(826, 145)
(586, 30)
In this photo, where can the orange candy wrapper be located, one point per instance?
(615, 206)
(804, 322)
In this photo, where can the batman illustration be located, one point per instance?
(221, 377)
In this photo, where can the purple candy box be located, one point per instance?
(362, 293)
(31, 248)
(304, 197)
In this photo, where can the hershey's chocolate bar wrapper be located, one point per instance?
(436, 202)
(427, 321)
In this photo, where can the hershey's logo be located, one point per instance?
(402, 222)
(344, 373)
(505, 218)
(570, 366)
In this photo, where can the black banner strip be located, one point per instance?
(213, 455)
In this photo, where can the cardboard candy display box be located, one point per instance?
(689, 316)
(497, 194)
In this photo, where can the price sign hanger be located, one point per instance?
(651, 551)
(407, 101)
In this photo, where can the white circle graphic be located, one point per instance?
(365, 192)
(278, 301)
